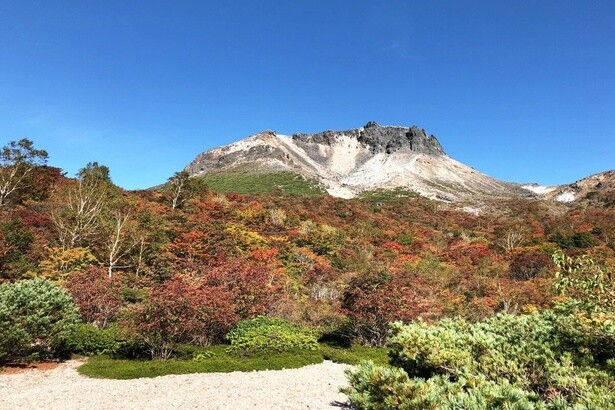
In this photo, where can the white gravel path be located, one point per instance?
(311, 387)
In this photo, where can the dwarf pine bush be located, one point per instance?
(503, 362)
(36, 317)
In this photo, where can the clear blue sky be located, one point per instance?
(521, 90)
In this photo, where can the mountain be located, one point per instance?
(347, 163)
(597, 189)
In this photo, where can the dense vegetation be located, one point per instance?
(558, 358)
(151, 272)
(218, 358)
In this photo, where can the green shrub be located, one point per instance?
(88, 340)
(580, 240)
(549, 360)
(285, 183)
(354, 354)
(267, 333)
(205, 355)
(583, 240)
(36, 317)
(377, 387)
(581, 278)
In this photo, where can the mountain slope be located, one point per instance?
(597, 189)
(347, 163)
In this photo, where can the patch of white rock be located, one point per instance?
(565, 197)
(539, 189)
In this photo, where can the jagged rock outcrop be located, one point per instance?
(349, 162)
(381, 138)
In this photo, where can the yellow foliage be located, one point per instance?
(278, 239)
(63, 261)
(246, 239)
(307, 227)
(251, 213)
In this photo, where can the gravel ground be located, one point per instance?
(311, 387)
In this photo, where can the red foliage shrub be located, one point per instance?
(194, 249)
(190, 246)
(253, 288)
(234, 197)
(97, 295)
(526, 266)
(393, 247)
(44, 179)
(521, 294)
(322, 283)
(32, 219)
(465, 253)
(320, 273)
(264, 255)
(372, 301)
(182, 309)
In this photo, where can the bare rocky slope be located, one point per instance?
(347, 163)
(597, 189)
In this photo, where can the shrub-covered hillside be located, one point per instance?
(184, 264)
(559, 358)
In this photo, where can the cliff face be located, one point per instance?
(381, 139)
(349, 162)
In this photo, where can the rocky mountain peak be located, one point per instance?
(390, 139)
(381, 138)
(346, 163)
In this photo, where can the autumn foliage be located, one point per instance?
(530, 265)
(373, 300)
(98, 296)
(186, 271)
(181, 310)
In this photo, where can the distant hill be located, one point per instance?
(373, 157)
(597, 189)
(347, 163)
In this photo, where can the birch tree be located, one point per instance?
(511, 236)
(17, 161)
(120, 240)
(178, 183)
(77, 210)
(182, 188)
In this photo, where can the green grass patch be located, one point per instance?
(355, 354)
(211, 359)
(284, 183)
(219, 359)
(387, 195)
